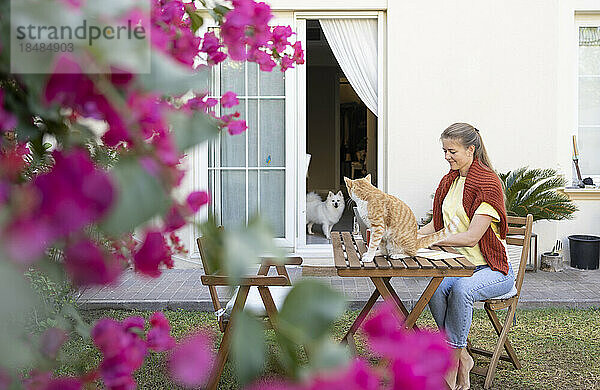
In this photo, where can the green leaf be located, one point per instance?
(196, 19)
(192, 130)
(172, 78)
(327, 355)
(309, 311)
(248, 347)
(533, 191)
(18, 301)
(139, 198)
(244, 246)
(222, 10)
(80, 326)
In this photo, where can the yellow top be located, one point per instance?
(453, 207)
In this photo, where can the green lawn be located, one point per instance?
(559, 348)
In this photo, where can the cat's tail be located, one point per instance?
(430, 239)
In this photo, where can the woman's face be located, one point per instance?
(459, 157)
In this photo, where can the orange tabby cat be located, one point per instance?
(390, 219)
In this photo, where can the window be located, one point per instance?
(247, 172)
(588, 130)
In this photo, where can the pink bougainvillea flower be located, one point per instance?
(419, 359)
(246, 26)
(191, 361)
(88, 265)
(160, 38)
(166, 151)
(153, 252)
(76, 4)
(133, 322)
(280, 35)
(235, 127)
(37, 380)
(383, 330)
(357, 376)
(216, 57)
(51, 341)
(64, 383)
(147, 112)
(264, 60)
(25, 240)
(12, 161)
(211, 46)
(159, 338)
(174, 218)
(172, 11)
(233, 31)
(120, 77)
(74, 193)
(201, 103)
(423, 362)
(260, 24)
(5, 379)
(69, 87)
(229, 99)
(298, 56)
(210, 43)
(185, 47)
(286, 63)
(123, 352)
(7, 120)
(197, 199)
(177, 245)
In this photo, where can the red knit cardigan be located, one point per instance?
(481, 185)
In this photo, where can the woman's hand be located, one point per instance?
(471, 237)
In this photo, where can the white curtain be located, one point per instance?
(354, 44)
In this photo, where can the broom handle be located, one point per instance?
(576, 161)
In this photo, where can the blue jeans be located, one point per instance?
(452, 303)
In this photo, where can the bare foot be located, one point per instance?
(465, 364)
(453, 371)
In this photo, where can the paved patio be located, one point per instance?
(182, 289)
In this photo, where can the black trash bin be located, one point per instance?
(585, 251)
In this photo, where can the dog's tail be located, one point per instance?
(313, 197)
(431, 239)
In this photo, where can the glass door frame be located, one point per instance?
(199, 156)
(320, 250)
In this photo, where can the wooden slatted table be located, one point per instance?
(347, 253)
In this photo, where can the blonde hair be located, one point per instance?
(467, 135)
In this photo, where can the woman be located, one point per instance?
(470, 194)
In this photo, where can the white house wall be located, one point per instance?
(491, 64)
(507, 67)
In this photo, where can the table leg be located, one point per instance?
(422, 302)
(387, 283)
(389, 295)
(358, 321)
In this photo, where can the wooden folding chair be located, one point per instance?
(519, 233)
(262, 281)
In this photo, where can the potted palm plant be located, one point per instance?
(534, 191)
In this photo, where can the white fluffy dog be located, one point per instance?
(326, 213)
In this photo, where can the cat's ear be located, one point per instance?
(348, 182)
(330, 194)
(368, 178)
